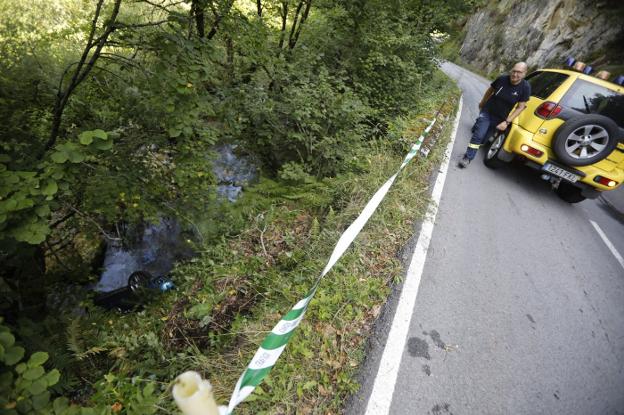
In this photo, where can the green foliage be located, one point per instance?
(324, 112)
(23, 384)
(132, 396)
(28, 196)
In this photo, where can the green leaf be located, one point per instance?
(38, 386)
(149, 390)
(8, 206)
(76, 157)
(7, 339)
(24, 204)
(42, 211)
(13, 355)
(86, 137)
(5, 158)
(27, 174)
(174, 132)
(60, 405)
(6, 380)
(24, 406)
(40, 401)
(101, 134)
(21, 368)
(33, 373)
(11, 178)
(73, 151)
(38, 359)
(103, 145)
(59, 157)
(50, 188)
(52, 377)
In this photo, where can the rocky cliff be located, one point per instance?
(543, 33)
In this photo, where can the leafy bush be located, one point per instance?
(111, 124)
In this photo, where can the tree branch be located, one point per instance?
(218, 19)
(81, 71)
(284, 14)
(294, 24)
(160, 6)
(61, 220)
(55, 253)
(197, 11)
(303, 20)
(120, 25)
(90, 219)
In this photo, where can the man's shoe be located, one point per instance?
(464, 162)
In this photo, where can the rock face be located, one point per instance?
(543, 33)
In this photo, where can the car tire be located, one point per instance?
(138, 280)
(585, 140)
(490, 158)
(569, 193)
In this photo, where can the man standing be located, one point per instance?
(499, 99)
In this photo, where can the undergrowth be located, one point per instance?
(231, 294)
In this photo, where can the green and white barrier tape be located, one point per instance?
(275, 343)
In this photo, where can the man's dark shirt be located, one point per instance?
(506, 95)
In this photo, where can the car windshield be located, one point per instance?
(589, 98)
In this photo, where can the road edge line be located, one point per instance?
(607, 242)
(380, 398)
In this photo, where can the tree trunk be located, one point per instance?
(197, 11)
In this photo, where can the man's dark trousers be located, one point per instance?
(484, 126)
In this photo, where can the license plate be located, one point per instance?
(558, 171)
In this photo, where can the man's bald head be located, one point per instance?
(518, 72)
(522, 65)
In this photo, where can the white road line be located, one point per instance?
(607, 242)
(383, 388)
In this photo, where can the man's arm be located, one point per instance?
(519, 108)
(486, 96)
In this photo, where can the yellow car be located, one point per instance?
(572, 130)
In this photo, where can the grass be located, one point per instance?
(317, 370)
(233, 293)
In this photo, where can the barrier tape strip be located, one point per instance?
(275, 342)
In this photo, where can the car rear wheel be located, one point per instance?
(585, 140)
(569, 193)
(490, 159)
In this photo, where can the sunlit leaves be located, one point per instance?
(25, 208)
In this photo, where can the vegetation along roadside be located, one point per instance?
(110, 114)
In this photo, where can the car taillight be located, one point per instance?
(605, 181)
(548, 110)
(532, 151)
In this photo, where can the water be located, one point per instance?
(162, 244)
(232, 172)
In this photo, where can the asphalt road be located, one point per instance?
(520, 308)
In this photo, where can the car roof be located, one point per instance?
(610, 85)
